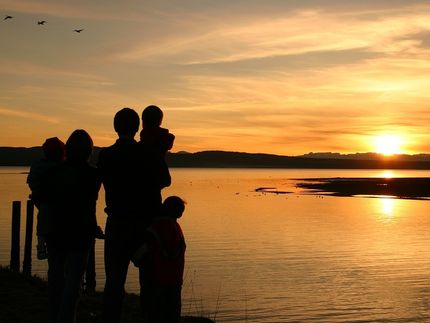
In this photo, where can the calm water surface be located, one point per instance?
(255, 257)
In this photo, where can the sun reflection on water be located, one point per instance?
(386, 207)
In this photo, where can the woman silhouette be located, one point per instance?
(73, 192)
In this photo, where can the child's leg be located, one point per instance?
(172, 303)
(151, 300)
(90, 270)
(42, 251)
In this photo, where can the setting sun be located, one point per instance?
(388, 145)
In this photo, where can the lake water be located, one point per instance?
(261, 257)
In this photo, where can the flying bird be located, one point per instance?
(78, 30)
(42, 22)
(7, 17)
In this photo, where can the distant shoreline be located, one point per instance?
(15, 156)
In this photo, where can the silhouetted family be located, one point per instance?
(139, 227)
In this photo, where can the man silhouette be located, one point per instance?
(133, 198)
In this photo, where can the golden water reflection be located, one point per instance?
(387, 206)
(284, 257)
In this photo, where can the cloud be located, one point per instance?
(6, 112)
(23, 68)
(265, 37)
(94, 10)
(316, 107)
(291, 64)
(420, 39)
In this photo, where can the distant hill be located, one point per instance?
(12, 156)
(367, 156)
(20, 156)
(249, 160)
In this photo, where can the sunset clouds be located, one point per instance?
(284, 77)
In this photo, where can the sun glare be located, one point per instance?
(388, 145)
(387, 174)
(387, 206)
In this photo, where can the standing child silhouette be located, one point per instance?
(161, 259)
(40, 171)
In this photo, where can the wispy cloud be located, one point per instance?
(298, 33)
(28, 115)
(25, 68)
(94, 10)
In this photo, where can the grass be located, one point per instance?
(25, 299)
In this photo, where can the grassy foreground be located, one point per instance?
(24, 299)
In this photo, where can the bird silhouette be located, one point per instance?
(78, 30)
(42, 22)
(7, 17)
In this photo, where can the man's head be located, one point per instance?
(126, 122)
(152, 116)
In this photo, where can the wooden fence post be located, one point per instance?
(26, 267)
(16, 223)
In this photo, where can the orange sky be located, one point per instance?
(284, 77)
